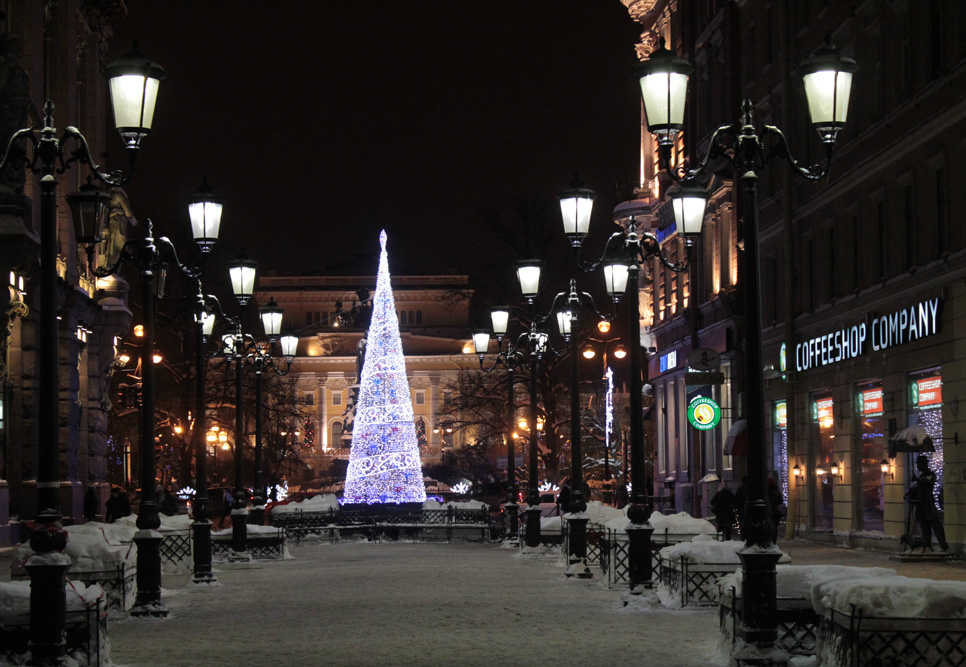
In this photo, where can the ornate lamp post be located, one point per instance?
(204, 211)
(827, 78)
(241, 349)
(625, 252)
(133, 82)
(86, 207)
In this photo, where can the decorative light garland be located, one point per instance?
(384, 464)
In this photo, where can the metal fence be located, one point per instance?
(610, 550)
(176, 546)
(854, 640)
(797, 624)
(417, 524)
(260, 546)
(85, 635)
(693, 583)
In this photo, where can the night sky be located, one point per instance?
(323, 122)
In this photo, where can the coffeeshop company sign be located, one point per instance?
(878, 332)
(704, 413)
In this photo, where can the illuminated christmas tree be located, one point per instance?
(384, 464)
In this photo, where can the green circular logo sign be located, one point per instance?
(704, 414)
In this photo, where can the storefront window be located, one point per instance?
(925, 410)
(869, 408)
(823, 422)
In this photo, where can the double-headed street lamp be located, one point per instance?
(89, 208)
(133, 82)
(827, 77)
(241, 348)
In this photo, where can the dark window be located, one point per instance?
(942, 220)
(832, 289)
(883, 247)
(909, 213)
(419, 317)
(856, 243)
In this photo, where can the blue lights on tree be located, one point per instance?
(384, 465)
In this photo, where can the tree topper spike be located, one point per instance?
(382, 240)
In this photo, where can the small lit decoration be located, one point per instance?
(281, 491)
(461, 488)
(609, 409)
(384, 465)
(547, 486)
(187, 493)
(309, 440)
(932, 421)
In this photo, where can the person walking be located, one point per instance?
(925, 502)
(723, 505)
(169, 505)
(227, 501)
(91, 504)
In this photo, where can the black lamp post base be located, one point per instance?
(147, 602)
(758, 593)
(639, 568)
(48, 608)
(533, 527)
(239, 531)
(577, 551)
(512, 523)
(202, 574)
(257, 516)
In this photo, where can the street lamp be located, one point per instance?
(621, 261)
(242, 349)
(133, 82)
(827, 77)
(147, 256)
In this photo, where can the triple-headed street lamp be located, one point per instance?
(133, 82)
(827, 77)
(241, 349)
(625, 252)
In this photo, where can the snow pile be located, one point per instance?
(599, 513)
(804, 582)
(94, 547)
(15, 598)
(898, 597)
(320, 503)
(663, 524)
(681, 524)
(550, 524)
(705, 549)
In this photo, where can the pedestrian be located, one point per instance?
(117, 505)
(227, 502)
(723, 505)
(169, 505)
(91, 504)
(776, 505)
(563, 497)
(925, 502)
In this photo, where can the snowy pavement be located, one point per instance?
(400, 604)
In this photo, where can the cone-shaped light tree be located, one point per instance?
(384, 464)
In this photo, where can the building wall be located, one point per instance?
(883, 232)
(89, 319)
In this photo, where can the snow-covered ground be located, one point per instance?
(359, 603)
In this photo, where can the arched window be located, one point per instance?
(419, 317)
(412, 317)
(318, 317)
(337, 435)
(402, 317)
(308, 318)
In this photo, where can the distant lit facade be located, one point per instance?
(329, 313)
(862, 274)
